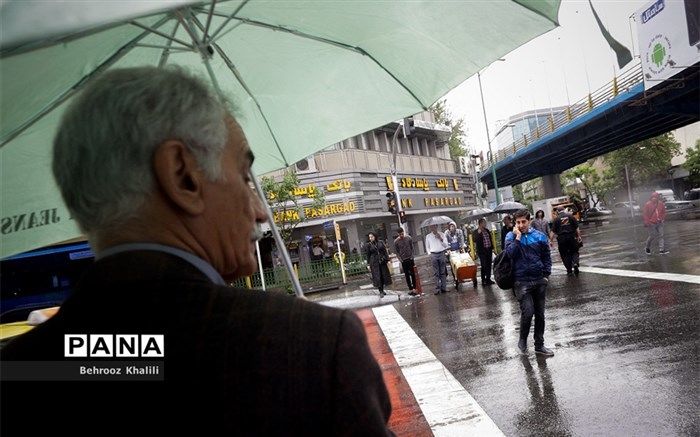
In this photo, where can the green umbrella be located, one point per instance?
(304, 74)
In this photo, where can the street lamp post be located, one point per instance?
(488, 139)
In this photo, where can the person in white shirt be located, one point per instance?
(436, 245)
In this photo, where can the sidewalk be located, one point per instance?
(360, 293)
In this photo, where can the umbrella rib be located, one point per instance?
(339, 44)
(209, 16)
(164, 35)
(166, 53)
(228, 18)
(79, 85)
(238, 76)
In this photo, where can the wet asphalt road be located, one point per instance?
(626, 349)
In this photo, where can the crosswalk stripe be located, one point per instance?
(677, 277)
(449, 409)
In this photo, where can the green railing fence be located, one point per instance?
(322, 272)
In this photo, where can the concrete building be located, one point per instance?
(354, 176)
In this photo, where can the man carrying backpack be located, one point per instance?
(528, 250)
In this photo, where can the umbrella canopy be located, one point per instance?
(509, 207)
(437, 220)
(476, 214)
(302, 74)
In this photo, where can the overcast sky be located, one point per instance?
(541, 73)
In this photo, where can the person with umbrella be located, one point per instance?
(436, 245)
(155, 170)
(377, 259)
(507, 227)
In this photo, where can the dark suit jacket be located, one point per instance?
(236, 361)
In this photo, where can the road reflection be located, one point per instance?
(543, 416)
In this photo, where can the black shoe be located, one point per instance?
(488, 282)
(664, 252)
(569, 273)
(647, 251)
(382, 294)
(576, 270)
(544, 351)
(412, 293)
(437, 292)
(522, 346)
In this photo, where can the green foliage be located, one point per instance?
(286, 205)
(598, 186)
(692, 164)
(646, 160)
(443, 116)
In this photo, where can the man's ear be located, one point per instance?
(178, 176)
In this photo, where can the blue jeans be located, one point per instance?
(531, 295)
(440, 269)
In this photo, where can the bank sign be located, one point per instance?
(669, 38)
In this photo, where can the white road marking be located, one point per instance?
(677, 277)
(449, 409)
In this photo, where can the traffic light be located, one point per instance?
(391, 202)
(409, 128)
(402, 216)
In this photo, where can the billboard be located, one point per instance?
(669, 38)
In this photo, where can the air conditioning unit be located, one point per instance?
(306, 165)
(463, 165)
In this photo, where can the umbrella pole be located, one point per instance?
(278, 239)
(260, 266)
(270, 218)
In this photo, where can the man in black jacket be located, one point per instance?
(485, 249)
(156, 171)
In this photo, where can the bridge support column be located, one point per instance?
(552, 185)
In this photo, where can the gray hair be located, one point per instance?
(103, 151)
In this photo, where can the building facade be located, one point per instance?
(354, 176)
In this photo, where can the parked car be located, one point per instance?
(693, 196)
(622, 209)
(681, 209)
(597, 213)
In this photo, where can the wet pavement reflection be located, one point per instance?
(626, 349)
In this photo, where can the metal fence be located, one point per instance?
(318, 273)
(609, 91)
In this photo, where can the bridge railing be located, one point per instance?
(619, 84)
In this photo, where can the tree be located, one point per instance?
(443, 116)
(597, 187)
(646, 160)
(692, 164)
(284, 196)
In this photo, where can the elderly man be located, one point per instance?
(436, 245)
(156, 171)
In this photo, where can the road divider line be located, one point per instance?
(677, 277)
(446, 405)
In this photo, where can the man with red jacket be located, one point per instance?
(654, 215)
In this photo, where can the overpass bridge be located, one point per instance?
(616, 115)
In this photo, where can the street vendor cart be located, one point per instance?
(463, 268)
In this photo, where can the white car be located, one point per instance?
(622, 209)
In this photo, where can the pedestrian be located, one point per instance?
(404, 249)
(436, 245)
(377, 260)
(654, 215)
(566, 228)
(540, 223)
(507, 227)
(455, 238)
(483, 239)
(528, 250)
(156, 171)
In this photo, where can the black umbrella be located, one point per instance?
(509, 207)
(476, 213)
